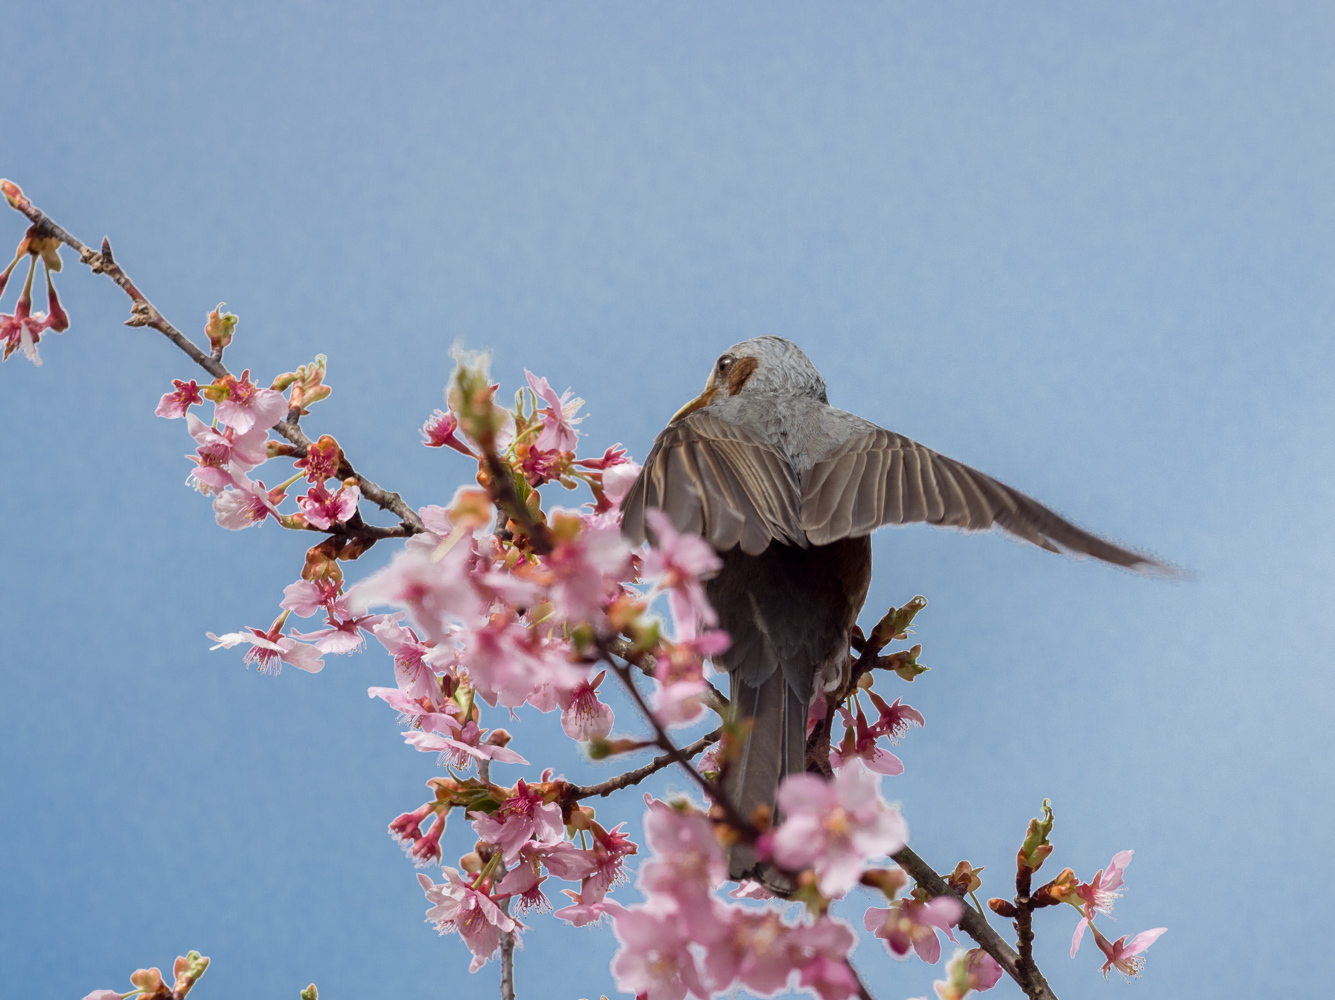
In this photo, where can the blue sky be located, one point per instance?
(1085, 248)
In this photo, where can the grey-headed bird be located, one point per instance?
(788, 489)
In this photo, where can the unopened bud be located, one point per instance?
(889, 880)
(471, 862)
(1002, 908)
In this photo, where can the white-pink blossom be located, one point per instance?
(558, 416)
(463, 908)
(243, 504)
(270, 650)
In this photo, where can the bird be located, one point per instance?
(787, 490)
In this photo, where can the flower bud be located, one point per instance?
(1002, 908)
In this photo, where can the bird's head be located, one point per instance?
(759, 366)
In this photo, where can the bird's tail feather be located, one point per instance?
(775, 747)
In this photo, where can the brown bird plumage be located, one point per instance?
(788, 490)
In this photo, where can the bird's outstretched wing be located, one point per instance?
(880, 477)
(718, 480)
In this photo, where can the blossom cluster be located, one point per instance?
(495, 601)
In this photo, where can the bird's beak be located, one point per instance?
(698, 403)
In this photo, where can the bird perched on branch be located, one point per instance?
(788, 489)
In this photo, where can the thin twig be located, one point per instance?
(144, 313)
(676, 755)
(605, 788)
(973, 924)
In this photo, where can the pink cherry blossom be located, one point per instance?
(821, 953)
(895, 719)
(610, 850)
(519, 818)
(686, 866)
(322, 508)
(911, 925)
(751, 948)
(675, 563)
(460, 751)
(507, 662)
(558, 416)
(1100, 894)
(414, 661)
(103, 995)
(618, 480)
(343, 635)
(984, 970)
(581, 913)
(270, 650)
(438, 431)
(23, 329)
(422, 849)
(679, 698)
(834, 826)
(583, 716)
(175, 403)
(461, 907)
(560, 858)
(655, 960)
(859, 743)
(585, 571)
(1124, 956)
(244, 503)
(305, 597)
(222, 453)
(245, 405)
(436, 591)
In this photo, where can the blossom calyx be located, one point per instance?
(964, 879)
(220, 327)
(890, 881)
(1062, 889)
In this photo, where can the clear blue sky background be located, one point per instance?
(1087, 248)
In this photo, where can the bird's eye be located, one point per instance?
(724, 363)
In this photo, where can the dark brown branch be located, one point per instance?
(634, 777)
(976, 926)
(144, 313)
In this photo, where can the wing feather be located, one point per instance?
(910, 483)
(718, 480)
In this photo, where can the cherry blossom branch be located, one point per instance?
(605, 788)
(973, 923)
(675, 754)
(144, 313)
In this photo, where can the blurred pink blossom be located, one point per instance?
(835, 826)
(911, 925)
